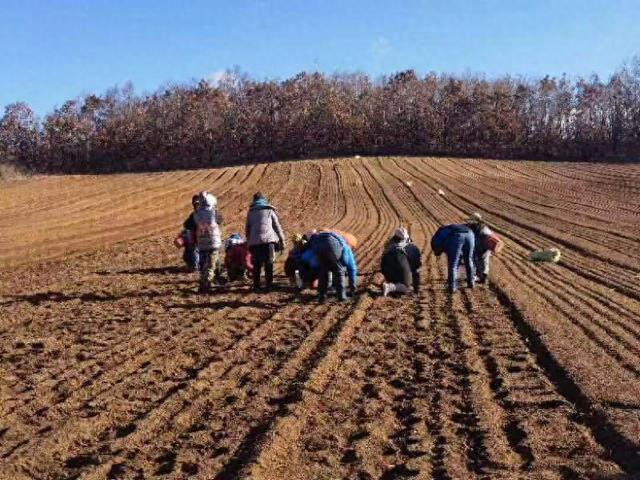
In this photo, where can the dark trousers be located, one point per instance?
(328, 255)
(262, 256)
(191, 257)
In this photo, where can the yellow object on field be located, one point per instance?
(550, 255)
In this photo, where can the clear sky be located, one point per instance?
(54, 50)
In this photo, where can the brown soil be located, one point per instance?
(112, 366)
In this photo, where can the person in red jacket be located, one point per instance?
(237, 260)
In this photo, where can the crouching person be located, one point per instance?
(237, 259)
(458, 242)
(332, 255)
(400, 265)
(208, 239)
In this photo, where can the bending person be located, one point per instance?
(237, 259)
(400, 264)
(458, 242)
(332, 255)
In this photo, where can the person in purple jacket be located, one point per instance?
(458, 241)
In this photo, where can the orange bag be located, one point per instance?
(179, 241)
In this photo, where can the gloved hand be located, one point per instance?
(281, 246)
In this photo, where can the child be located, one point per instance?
(207, 236)
(237, 260)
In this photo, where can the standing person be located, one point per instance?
(400, 264)
(264, 237)
(190, 254)
(237, 259)
(483, 245)
(208, 239)
(458, 242)
(331, 254)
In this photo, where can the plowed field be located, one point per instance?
(112, 366)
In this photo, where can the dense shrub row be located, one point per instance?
(316, 115)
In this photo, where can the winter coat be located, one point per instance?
(238, 257)
(444, 235)
(207, 222)
(347, 258)
(263, 225)
(409, 249)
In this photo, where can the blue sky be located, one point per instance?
(54, 50)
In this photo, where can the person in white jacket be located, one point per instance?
(208, 239)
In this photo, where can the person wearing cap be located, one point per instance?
(400, 264)
(458, 241)
(264, 237)
(237, 258)
(482, 252)
(330, 254)
(207, 222)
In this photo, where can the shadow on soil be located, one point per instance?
(171, 270)
(59, 297)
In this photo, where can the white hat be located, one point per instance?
(401, 233)
(207, 200)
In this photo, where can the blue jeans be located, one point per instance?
(460, 246)
(191, 257)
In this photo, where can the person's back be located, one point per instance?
(208, 238)
(332, 254)
(264, 237)
(400, 263)
(237, 261)
(458, 241)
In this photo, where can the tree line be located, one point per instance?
(241, 120)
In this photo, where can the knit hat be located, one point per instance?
(401, 233)
(475, 217)
(258, 196)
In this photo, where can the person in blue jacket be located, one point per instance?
(458, 241)
(329, 253)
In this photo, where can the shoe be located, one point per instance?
(470, 286)
(255, 288)
(386, 289)
(342, 296)
(451, 290)
(322, 299)
(203, 287)
(482, 279)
